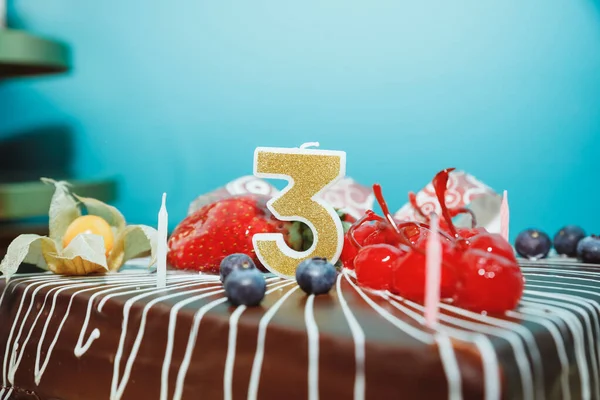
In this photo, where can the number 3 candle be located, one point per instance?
(309, 172)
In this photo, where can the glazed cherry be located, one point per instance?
(349, 250)
(373, 265)
(479, 269)
(468, 233)
(493, 243)
(489, 282)
(415, 234)
(408, 274)
(348, 253)
(383, 233)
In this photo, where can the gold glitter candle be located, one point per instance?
(308, 172)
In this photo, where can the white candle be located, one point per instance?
(433, 268)
(161, 248)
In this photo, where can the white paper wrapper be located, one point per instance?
(464, 190)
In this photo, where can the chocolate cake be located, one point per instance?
(117, 336)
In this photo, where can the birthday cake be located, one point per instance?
(101, 325)
(111, 337)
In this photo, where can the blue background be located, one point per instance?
(175, 95)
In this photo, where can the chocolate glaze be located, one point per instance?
(560, 300)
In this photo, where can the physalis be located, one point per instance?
(85, 236)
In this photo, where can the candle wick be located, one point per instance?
(309, 144)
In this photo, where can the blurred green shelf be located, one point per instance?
(22, 54)
(32, 199)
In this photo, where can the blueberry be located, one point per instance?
(533, 244)
(235, 262)
(315, 275)
(245, 286)
(565, 240)
(582, 243)
(588, 249)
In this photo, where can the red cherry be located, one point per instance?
(349, 250)
(493, 243)
(373, 265)
(384, 233)
(467, 233)
(348, 253)
(440, 185)
(444, 227)
(362, 232)
(415, 233)
(489, 282)
(408, 274)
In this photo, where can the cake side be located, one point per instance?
(186, 341)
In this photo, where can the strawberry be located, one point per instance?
(224, 227)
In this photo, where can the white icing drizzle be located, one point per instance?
(545, 284)
(118, 387)
(588, 328)
(8, 393)
(11, 360)
(20, 279)
(415, 333)
(450, 366)
(312, 331)
(594, 308)
(566, 272)
(511, 337)
(15, 364)
(8, 354)
(447, 356)
(512, 330)
(561, 261)
(491, 368)
(562, 279)
(567, 319)
(190, 282)
(120, 281)
(490, 361)
(231, 344)
(358, 335)
(260, 344)
(560, 348)
(185, 363)
(171, 342)
(80, 347)
(230, 358)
